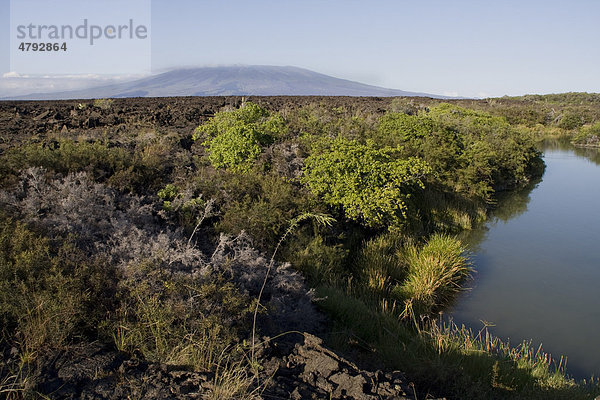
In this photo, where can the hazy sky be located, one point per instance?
(467, 48)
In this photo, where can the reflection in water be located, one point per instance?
(513, 204)
(537, 262)
(591, 153)
(510, 204)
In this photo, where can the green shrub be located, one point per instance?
(371, 184)
(473, 152)
(104, 104)
(319, 261)
(316, 120)
(570, 121)
(168, 194)
(140, 169)
(421, 136)
(399, 128)
(235, 139)
(184, 207)
(588, 135)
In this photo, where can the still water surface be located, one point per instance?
(538, 263)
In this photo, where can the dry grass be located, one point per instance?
(234, 380)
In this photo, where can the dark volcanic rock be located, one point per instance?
(311, 371)
(177, 115)
(93, 371)
(305, 371)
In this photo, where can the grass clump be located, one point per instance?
(380, 265)
(417, 279)
(51, 296)
(50, 293)
(233, 380)
(435, 274)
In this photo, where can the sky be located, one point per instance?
(459, 48)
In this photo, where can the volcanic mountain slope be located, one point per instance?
(255, 80)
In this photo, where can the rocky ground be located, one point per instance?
(175, 114)
(306, 370)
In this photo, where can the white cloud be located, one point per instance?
(11, 74)
(14, 74)
(15, 84)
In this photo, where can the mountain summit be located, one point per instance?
(258, 80)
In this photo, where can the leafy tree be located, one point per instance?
(371, 184)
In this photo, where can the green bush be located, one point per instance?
(371, 184)
(399, 128)
(184, 207)
(570, 121)
(320, 120)
(469, 151)
(588, 135)
(319, 261)
(104, 104)
(421, 136)
(235, 139)
(139, 169)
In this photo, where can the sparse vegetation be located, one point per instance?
(104, 104)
